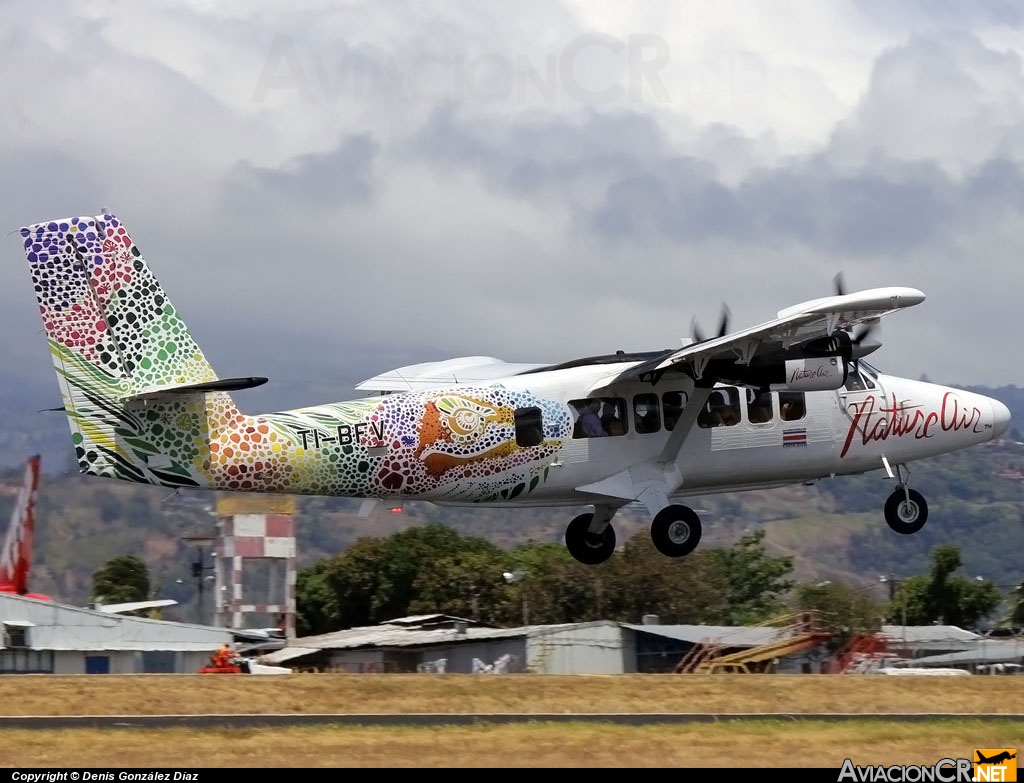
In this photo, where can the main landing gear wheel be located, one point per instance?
(676, 531)
(589, 548)
(906, 511)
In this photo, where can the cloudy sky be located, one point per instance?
(328, 190)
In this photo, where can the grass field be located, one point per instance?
(768, 743)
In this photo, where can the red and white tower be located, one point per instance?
(255, 562)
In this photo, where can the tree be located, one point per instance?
(642, 581)
(409, 552)
(121, 579)
(756, 580)
(466, 583)
(315, 608)
(1015, 618)
(845, 610)
(944, 596)
(429, 568)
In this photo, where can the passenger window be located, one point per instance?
(599, 416)
(646, 415)
(529, 427)
(672, 408)
(759, 407)
(792, 406)
(721, 410)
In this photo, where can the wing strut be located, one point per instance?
(698, 398)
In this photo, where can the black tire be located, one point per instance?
(676, 531)
(905, 515)
(589, 548)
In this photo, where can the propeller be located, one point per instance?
(862, 334)
(856, 339)
(838, 283)
(723, 326)
(845, 341)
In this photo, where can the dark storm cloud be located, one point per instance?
(866, 192)
(890, 207)
(339, 178)
(527, 156)
(808, 201)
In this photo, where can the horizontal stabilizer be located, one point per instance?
(224, 385)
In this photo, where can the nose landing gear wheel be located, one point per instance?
(589, 548)
(676, 531)
(906, 512)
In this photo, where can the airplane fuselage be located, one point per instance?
(465, 444)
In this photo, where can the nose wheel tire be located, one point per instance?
(589, 548)
(906, 512)
(676, 531)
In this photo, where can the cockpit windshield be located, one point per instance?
(861, 376)
(868, 369)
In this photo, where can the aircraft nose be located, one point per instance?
(1000, 419)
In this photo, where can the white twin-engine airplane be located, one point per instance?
(791, 400)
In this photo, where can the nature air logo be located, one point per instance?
(995, 764)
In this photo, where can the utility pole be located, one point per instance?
(893, 583)
(512, 577)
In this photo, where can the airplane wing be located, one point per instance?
(450, 372)
(820, 328)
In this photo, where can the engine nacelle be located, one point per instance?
(810, 373)
(823, 373)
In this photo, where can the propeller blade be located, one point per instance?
(723, 324)
(696, 332)
(865, 340)
(838, 283)
(864, 332)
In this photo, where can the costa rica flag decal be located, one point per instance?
(794, 437)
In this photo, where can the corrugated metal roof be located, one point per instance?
(400, 636)
(727, 635)
(932, 634)
(114, 645)
(56, 626)
(424, 619)
(987, 651)
(286, 654)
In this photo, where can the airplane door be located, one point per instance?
(860, 384)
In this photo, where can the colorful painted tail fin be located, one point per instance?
(118, 344)
(16, 555)
(109, 322)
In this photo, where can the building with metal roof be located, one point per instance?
(661, 648)
(444, 644)
(52, 638)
